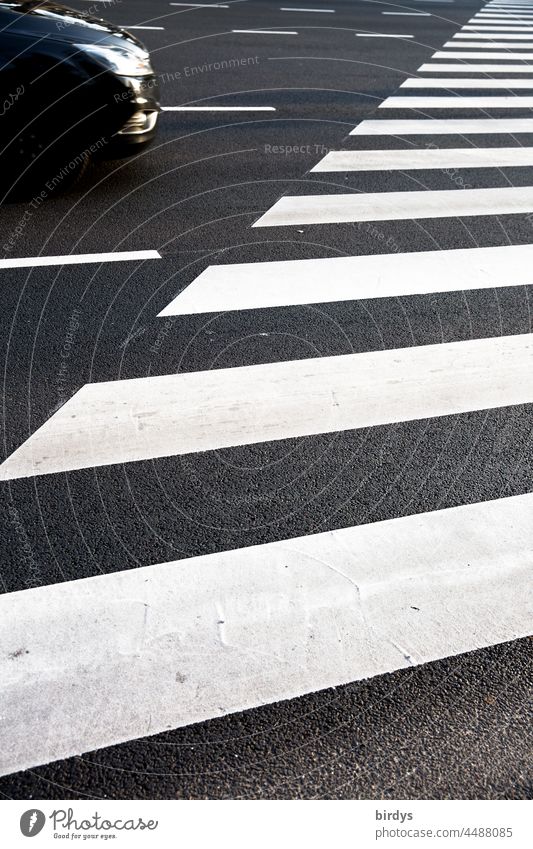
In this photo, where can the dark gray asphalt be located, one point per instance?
(459, 728)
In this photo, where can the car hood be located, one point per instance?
(53, 20)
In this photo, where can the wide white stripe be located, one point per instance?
(394, 160)
(218, 108)
(466, 54)
(387, 206)
(496, 28)
(497, 35)
(144, 418)
(442, 126)
(408, 14)
(463, 68)
(77, 259)
(458, 102)
(454, 82)
(493, 45)
(501, 19)
(261, 285)
(126, 26)
(99, 661)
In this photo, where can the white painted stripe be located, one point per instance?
(218, 108)
(380, 35)
(261, 285)
(264, 32)
(463, 68)
(496, 28)
(294, 9)
(120, 656)
(126, 26)
(503, 18)
(493, 45)
(77, 259)
(456, 83)
(404, 160)
(442, 126)
(144, 418)
(408, 14)
(488, 35)
(441, 54)
(522, 19)
(457, 102)
(388, 206)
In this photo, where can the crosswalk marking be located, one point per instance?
(457, 82)
(502, 36)
(144, 418)
(390, 160)
(442, 126)
(123, 655)
(136, 652)
(496, 28)
(449, 54)
(463, 68)
(490, 45)
(457, 102)
(259, 285)
(506, 17)
(388, 206)
(76, 259)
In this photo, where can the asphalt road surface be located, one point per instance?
(357, 360)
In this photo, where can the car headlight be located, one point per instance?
(130, 61)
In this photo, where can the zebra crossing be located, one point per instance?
(245, 627)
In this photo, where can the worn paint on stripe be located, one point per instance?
(120, 656)
(388, 206)
(260, 285)
(394, 160)
(128, 420)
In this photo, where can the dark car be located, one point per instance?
(72, 86)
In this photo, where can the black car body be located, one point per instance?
(71, 85)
